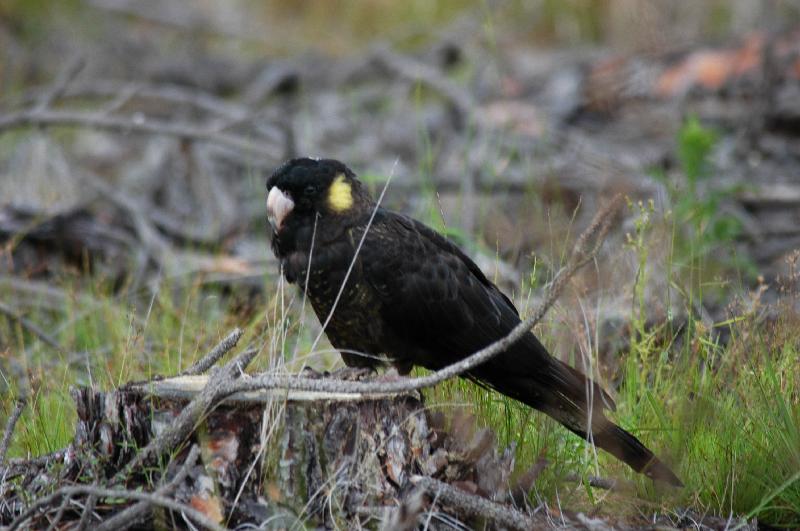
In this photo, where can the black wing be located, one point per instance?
(443, 308)
(433, 295)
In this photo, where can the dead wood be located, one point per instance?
(13, 418)
(256, 152)
(329, 460)
(210, 359)
(40, 240)
(31, 327)
(476, 506)
(136, 512)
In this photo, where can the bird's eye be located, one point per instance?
(310, 189)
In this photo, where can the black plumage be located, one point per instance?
(413, 298)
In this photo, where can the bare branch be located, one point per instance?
(19, 407)
(169, 94)
(60, 514)
(208, 361)
(132, 515)
(420, 72)
(152, 498)
(39, 461)
(475, 506)
(86, 514)
(65, 77)
(30, 326)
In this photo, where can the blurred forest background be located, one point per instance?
(136, 136)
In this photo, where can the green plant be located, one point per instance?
(700, 227)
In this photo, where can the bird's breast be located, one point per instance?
(354, 322)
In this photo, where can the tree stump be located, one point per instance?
(290, 456)
(283, 457)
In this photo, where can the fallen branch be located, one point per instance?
(419, 72)
(210, 359)
(134, 513)
(151, 498)
(65, 77)
(166, 93)
(154, 244)
(19, 407)
(88, 509)
(38, 461)
(31, 327)
(473, 505)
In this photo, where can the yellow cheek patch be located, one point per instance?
(340, 194)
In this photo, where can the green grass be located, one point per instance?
(727, 420)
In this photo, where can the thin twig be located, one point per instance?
(225, 114)
(39, 461)
(59, 514)
(580, 256)
(166, 93)
(121, 99)
(152, 498)
(65, 77)
(475, 506)
(86, 514)
(31, 327)
(19, 407)
(133, 514)
(210, 359)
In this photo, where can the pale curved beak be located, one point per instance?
(279, 205)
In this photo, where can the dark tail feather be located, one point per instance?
(631, 451)
(557, 389)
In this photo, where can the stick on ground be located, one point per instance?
(154, 499)
(133, 514)
(473, 505)
(210, 359)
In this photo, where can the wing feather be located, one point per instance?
(456, 310)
